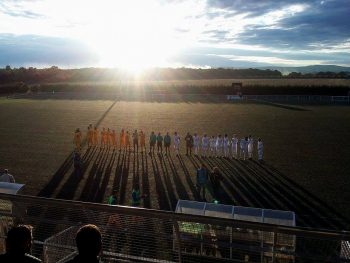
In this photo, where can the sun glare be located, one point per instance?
(132, 38)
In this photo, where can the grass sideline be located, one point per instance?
(309, 149)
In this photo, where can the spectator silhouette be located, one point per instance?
(89, 244)
(18, 244)
(6, 177)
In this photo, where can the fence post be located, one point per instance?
(273, 246)
(178, 237)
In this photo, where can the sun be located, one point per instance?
(132, 38)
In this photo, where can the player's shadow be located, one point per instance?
(266, 187)
(188, 178)
(102, 188)
(53, 214)
(118, 175)
(92, 173)
(94, 184)
(124, 177)
(163, 200)
(179, 186)
(135, 170)
(145, 180)
(56, 179)
(69, 188)
(168, 184)
(282, 106)
(316, 210)
(275, 192)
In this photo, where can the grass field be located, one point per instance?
(306, 152)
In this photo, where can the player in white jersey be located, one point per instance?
(212, 142)
(196, 144)
(218, 146)
(234, 146)
(205, 144)
(176, 143)
(250, 147)
(242, 153)
(226, 142)
(246, 148)
(260, 150)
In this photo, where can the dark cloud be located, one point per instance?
(29, 50)
(253, 7)
(323, 22)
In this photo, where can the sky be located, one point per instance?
(174, 33)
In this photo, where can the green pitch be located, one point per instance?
(306, 150)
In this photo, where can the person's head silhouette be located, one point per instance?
(89, 241)
(19, 240)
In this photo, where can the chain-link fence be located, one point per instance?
(142, 235)
(300, 99)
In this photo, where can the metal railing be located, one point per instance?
(145, 235)
(300, 98)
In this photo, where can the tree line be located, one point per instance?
(54, 74)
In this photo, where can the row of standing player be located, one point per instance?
(206, 146)
(220, 146)
(108, 137)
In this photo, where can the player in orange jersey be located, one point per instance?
(142, 141)
(77, 139)
(95, 138)
(103, 138)
(122, 140)
(109, 142)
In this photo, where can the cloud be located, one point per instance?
(15, 8)
(252, 7)
(39, 51)
(289, 24)
(218, 33)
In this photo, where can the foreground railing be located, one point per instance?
(342, 100)
(145, 235)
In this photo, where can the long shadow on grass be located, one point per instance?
(58, 176)
(272, 195)
(238, 193)
(68, 189)
(262, 198)
(273, 192)
(283, 106)
(94, 184)
(102, 188)
(145, 181)
(135, 170)
(71, 185)
(315, 210)
(44, 228)
(169, 186)
(161, 194)
(189, 179)
(118, 174)
(56, 179)
(180, 188)
(94, 168)
(124, 178)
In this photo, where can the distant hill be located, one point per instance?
(310, 69)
